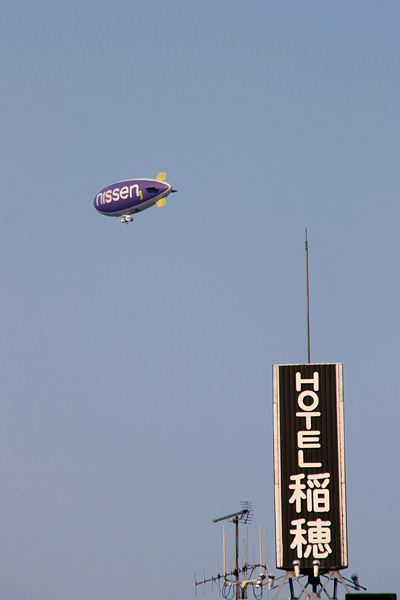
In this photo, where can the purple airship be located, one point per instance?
(124, 198)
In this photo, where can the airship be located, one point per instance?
(125, 198)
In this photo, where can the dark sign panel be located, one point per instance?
(377, 596)
(310, 502)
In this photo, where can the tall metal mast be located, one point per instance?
(308, 304)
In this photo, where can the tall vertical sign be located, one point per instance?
(310, 487)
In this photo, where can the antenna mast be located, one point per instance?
(234, 584)
(308, 304)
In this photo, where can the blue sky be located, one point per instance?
(136, 360)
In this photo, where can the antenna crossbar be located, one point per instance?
(244, 516)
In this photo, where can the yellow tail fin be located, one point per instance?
(161, 176)
(160, 202)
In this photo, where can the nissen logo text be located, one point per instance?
(123, 193)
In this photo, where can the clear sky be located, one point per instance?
(136, 379)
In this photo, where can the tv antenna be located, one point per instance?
(235, 582)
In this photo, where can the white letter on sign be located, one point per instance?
(308, 439)
(314, 381)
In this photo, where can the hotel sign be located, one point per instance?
(310, 488)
